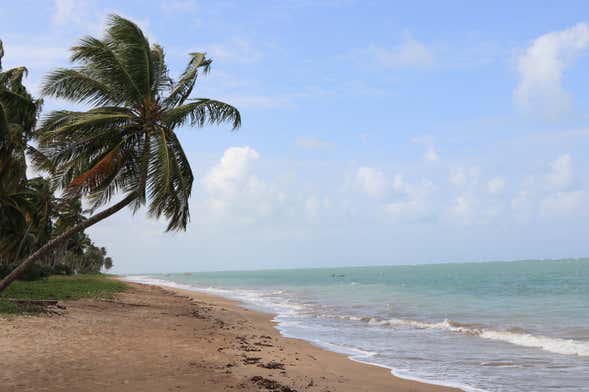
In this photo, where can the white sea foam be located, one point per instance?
(268, 301)
(354, 352)
(551, 344)
(408, 375)
(554, 345)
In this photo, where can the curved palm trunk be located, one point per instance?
(49, 246)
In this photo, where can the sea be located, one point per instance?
(492, 326)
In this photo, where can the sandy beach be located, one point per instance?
(155, 339)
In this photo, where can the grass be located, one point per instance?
(7, 307)
(60, 288)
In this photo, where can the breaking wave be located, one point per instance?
(515, 336)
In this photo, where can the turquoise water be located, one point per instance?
(516, 326)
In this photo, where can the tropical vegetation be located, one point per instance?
(30, 213)
(57, 287)
(124, 147)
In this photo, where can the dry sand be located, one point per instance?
(152, 339)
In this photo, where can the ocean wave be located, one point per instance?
(554, 345)
(517, 336)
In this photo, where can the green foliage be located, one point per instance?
(24, 203)
(91, 260)
(30, 213)
(65, 288)
(127, 141)
(36, 272)
(43, 217)
(7, 307)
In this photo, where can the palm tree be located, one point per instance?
(69, 213)
(18, 115)
(126, 142)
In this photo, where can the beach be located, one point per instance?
(151, 338)
(517, 326)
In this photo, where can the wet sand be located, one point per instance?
(157, 339)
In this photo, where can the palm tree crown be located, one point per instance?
(126, 141)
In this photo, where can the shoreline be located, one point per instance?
(189, 290)
(151, 339)
(213, 297)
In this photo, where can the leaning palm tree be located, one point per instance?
(125, 144)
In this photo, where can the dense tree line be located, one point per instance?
(30, 213)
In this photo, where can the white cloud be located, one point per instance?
(560, 175)
(226, 179)
(410, 53)
(411, 202)
(496, 185)
(554, 194)
(233, 191)
(312, 143)
(371, 181)
(462, 176)
(563, 204)
(65, 11)
(75, 12)
(542, 66)
(91, 18)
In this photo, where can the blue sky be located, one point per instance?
(374, 133)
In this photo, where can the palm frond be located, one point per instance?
(62, 124)
(182, 90)
(170, 182)
(12, 78)
(16, 103)
(133, 51)
(182, 181)
(202, 112)
(77, 86)
(92, 178)
(159, 169)
(99, 60)
(41, 162)
(160, 79)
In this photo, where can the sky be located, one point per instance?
(374, 132)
